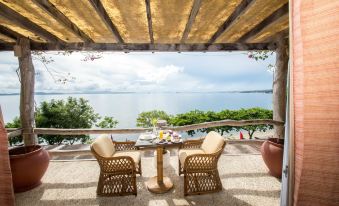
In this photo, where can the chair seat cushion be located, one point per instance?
(136, 156)
(183, 153)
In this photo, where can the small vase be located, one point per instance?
(154, 130)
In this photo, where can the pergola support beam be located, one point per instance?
(145, 47)
(100, 9)
(280, 86)
(53, 11)
(27, 76)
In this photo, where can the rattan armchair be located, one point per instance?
(119, 163)
(198, 161)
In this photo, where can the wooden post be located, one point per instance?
(279, 86)
(27, 73)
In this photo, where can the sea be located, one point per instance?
(125, 107)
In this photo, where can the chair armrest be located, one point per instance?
(121, 165)
(191, 144)
(201, 162)
(120, 146)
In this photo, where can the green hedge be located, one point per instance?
(197, 116)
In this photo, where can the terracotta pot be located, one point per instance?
(28, 165)
(272, 152)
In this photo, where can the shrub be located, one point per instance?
(145, 118)
(71, 113)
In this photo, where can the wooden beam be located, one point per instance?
(27, 74)
(280, 86)
(193, 14)
(14, 133)
(226, 123)
(53, 11)
(11, 34)
(236, 13)
(144, 47)
(54, 131)
(97, 5)
(149, 20)
(275, 37)
(22, 21)
(269, 20)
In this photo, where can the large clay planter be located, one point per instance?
(28, 165)
(272, 152)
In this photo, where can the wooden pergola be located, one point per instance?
(311, 26)
(143, 25)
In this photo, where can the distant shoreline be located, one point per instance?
(267, 91)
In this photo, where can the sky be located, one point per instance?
(141, 72)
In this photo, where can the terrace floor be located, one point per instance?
(243, 174)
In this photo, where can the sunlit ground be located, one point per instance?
(243, 173)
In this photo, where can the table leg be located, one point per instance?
(159, 183)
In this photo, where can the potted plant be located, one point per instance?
(272, 153)
(28, 165)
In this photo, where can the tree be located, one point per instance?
(192, 117)
(70, 113)
(107, 122)
(253, 113)
(145, 118)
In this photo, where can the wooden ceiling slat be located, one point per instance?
(19, 30)
(145, 47)
(97, 5)
(255, 13)
(85, 17)
(149, 21)
(26, 23)
(279, 17)
(169, 19)
(229, 21)
(212, 14)
(38, 15)
(270, 30)
(193, 14)
(274, 37)
(130, 18)
(53, 11)
(11, 34)
(6, 38)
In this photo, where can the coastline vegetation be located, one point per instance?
(78, 113)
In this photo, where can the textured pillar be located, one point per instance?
(27, 73)
(279, 86)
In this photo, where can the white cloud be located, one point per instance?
(142, 72)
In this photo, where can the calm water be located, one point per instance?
(126, 107)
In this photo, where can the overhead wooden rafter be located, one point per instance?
(237, 12)
(53, 11)
(22, 21)
(137, 25)
(105, 18)
(193, 14)
(280, 15)
(149, 21)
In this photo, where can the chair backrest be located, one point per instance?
(212, 142)
(103, 146)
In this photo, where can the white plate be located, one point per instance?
(146, 136)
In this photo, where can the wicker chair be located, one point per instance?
(198, 161)
(119, 163)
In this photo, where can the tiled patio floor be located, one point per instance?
(242, 170)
